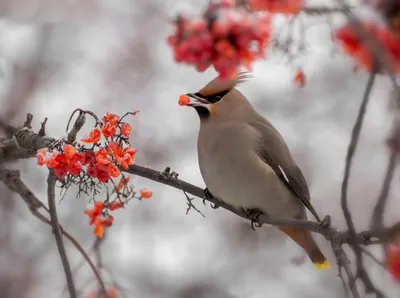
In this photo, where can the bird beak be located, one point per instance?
(192, 100)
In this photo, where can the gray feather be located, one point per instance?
(272, 149)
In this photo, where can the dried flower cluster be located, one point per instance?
(80, 165)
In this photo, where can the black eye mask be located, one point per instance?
(213, 98)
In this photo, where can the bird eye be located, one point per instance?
(217, 98)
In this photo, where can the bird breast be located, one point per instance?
(234, 173)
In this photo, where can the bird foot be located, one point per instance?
(208, 195)
(168, 175)
(253, 214)
(326, 222)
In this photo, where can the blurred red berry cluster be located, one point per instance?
(226, 37)
(111, 293)
(393, 258)
(299, 78)
(354, 44)
(278, 6)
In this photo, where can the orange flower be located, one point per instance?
(87, 157)
(92, 294)
(109, 221)
(130, 151)
(184, 100)
(99, 227)
(69, 150)
(102, 167)
(54, 159)
(94, 212)
(122, 182)
(42, 156)
(94, 136)
(127, 160)
(113, 170)
(103, 176)
(126, 129)
(102, 156)
(75, 168)
(118, 153)
(99, 205)
(92, 170)
(61, 170)
(111, 147)
(111, 118)
(278, 6)
(112, 293)
(146, 193)
(115, 205)
(109, 129)
(300, 78)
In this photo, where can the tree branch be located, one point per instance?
(351, 151)
(329, 232)
(12, 179)
(355, 135)
(51, 182)
(379, 209)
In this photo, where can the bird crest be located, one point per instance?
(218, 85)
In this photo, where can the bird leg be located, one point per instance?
(167, 174)
(253, 214)
(209, 195)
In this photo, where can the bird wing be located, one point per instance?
(273, 150)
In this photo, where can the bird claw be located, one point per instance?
(167, 174)
(208, 195)
(215, 206)
(253, 215)
(326, 222)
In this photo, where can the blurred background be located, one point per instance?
(101, 55)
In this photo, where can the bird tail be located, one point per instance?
(305, 240)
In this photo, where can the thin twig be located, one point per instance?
(375, 259)
(51, 183)
(12, 179)
(351, 151)
(340, 274)
(379, 209)
(377, 215)
(355, 135)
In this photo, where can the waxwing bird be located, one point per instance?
(246, 163)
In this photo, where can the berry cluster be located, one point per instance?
(225, 37)
(278, 6)
(393, 258)
(354, 45)
(102, 161)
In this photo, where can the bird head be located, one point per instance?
(216, 98)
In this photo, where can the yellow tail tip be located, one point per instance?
(324, 265)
